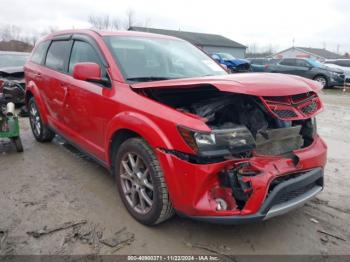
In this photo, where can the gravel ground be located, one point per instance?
(52, 186)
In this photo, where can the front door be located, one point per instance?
(88, 104)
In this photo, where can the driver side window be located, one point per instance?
(83, 52)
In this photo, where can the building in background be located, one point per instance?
(306, 52)
(210, 43)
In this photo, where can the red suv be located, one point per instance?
(178, 133)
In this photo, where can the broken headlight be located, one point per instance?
(219, 142)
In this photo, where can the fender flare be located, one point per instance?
(139, 124)
(32, 89)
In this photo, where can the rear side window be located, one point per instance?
(83, 52)
(39, 52)
(57, 55)
(288, 62)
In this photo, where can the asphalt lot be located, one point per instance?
(51, 184)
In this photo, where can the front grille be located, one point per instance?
(302, 97)
(281, 99)
(293, 194)
(294, 107)
(288, 195)
(310, 108)
(285, 113)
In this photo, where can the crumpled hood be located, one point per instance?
(258, 84)
(16, 71)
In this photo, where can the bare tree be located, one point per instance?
(10, 32)
(105, 22)
(130, 19)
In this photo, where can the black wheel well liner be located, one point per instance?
(28, 96)
(117, 139)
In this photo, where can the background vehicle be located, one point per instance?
(177, 131)
(12, 75)
(312, 69)
(261, 64)
(233, 64)
(343, 64)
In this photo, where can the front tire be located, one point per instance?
(322, 80)
(141, 183)
(40, 131)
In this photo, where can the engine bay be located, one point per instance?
(244, 124)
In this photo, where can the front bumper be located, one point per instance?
(194, 188)
(337, 80)
(296, 192)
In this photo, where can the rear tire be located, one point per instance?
(141, 183)
(40, 131)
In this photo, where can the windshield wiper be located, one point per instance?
(148, 78)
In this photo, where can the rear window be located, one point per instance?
(57, 55)
(39, 52)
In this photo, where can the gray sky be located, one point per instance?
(312, 23)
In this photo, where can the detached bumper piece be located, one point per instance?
(285, 194)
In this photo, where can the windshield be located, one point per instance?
(151, 59)
(226, 56)
(9, 60)
(315, 63)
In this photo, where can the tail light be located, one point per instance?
(1, 85)
(266, 67)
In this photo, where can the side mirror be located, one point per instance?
(87, 72)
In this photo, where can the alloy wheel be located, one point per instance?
(321, 80)
(136, 183)
(34, 118)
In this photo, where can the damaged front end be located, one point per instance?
(261, 157)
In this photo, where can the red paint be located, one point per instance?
(89, 115)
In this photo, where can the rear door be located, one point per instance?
(34, 71)
(286, 66)
(303, 68)
(55, 79)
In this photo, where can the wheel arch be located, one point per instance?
(33, 91)
(130, 124)
(322, 75)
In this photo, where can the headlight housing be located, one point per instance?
(219, 142)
